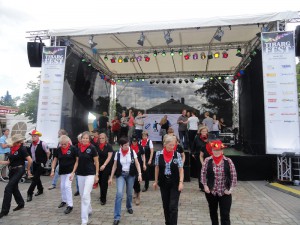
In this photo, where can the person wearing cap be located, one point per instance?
(67, 157)
(105, 152)
(142, 161)
(39, 153)
(16, 160)
(169, 177)
(147, 146)
(218, 175)
(126, 166)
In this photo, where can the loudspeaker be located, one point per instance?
(34, 52)
(297, 40)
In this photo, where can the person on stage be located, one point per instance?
(169, 177)
(126, 166)
(39, 153)
(67, 157)
(16, 161)
(218, 175)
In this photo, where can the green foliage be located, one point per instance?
(29, 104)
(7, 100)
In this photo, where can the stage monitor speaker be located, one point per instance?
(34, 52)
(297, 40)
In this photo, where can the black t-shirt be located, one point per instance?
(103, 154)
(18, 158)
(103, 120)
(67, 161)
(179, 149)
(86, 164)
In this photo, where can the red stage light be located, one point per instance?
(147, 58)
(225, 55)
(233, 81)
(187, 56)
(238, 74)
(113, 60)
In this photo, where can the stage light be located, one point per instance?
(163, 53)
(196, 77)
(142, 79)
(168, 37)
(120, 59)
(123, 80)
(139, 58)
(126, 59)
(195, 56)
(210, 56)
(227, 78)
(217, 54)
(147, 58)
(191, 80)
(180, 81)
(89, 65)
(239, 52)
(219, 34)
(83, 60)
(186, 80)
(211, 78)
(105, 57)
(130, 80)
(91, 42)
(203, 56)
(202, 78)
(141, 40)
(219, 78)
(137, 80)
(157, 81)
(168, 81)
(233, 81)
(132, 59)
(163, 81)
(118, 80)
(187, 56)
(113, 60)
(242, 72)
(180, 52)
(152, 81)
(155, 53)
(172, 52)
(225, 55)
(174, 81)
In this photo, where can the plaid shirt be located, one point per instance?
(219, 184)
(168, 165)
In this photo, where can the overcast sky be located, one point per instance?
(19, 16)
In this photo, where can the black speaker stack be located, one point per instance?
(297, 40)
(34, 52)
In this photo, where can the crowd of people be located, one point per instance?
(92, 161)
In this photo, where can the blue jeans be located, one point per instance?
(125, 178)
(77, 187)
(56, 176)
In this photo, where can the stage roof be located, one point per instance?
(191, 36)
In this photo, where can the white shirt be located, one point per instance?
(193, 123)
(139, 123)
(125, 160)
(215, 125)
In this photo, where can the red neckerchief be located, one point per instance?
(135, 148)
(203, 138)
(124, 152)
(95, 139)
(144, 142)
(167, 155)
(208, 148)
(218, 159)
(15, 148)
(35, 142)
(84, 147)
(79, 144)
(101, 146)
(64, 150)
(175, 148)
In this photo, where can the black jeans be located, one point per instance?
(198, 169)
(192, 134)
(183, 139)
(123, 132)
(136, 185)
(170, 198)
(145, 174)
(12, 188)
(103, 183)
(225, 204)
(36, 180)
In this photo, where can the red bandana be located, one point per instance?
(124, 152)
(15, 148)
(144, 142)
(203, 138)
(84, 147)
(79, 145)
(218, 159)
(35, 142)
(167, 155)
(175, 148)
(135, 148)
(64, 150)
(101, 146)
(95, 139)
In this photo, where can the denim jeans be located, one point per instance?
(183, 137)
(77, 187)
(125, 178)
(56, 176)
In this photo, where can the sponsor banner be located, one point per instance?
(151, 124)
(51, 92)
(280, 93)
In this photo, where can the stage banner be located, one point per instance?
(51, 91)
(151, 124)
(280, 93)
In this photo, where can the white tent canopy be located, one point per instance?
(194, 36)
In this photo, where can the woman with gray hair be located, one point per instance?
(169, 177)
(67, 157)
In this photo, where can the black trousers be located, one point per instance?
(12, 188)
(103, 183)
(225, 204)
(136, 185)
(145, 174)
(123, 132)
(198, 170)
(170, 198)
(36, 180)
(192, 134)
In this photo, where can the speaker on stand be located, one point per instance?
(297, 41)
(34, 52)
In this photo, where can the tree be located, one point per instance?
(29, 104)
(219, 101)
(7, 100)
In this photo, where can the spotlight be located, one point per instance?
(196, 78)
(203, 56)
(180, 81)
(174, 81)
(219, 78)
(217, 54)
(113, 60)
(120, 59)
(157, 81)
(180, 52)
(130, 80)
(105, 57)
(152, 81)
(163, 53)
(239, 52)
(227, 78)
(118, 80)
(211, 78)
(83, 60)
(192, 80)
(242, 72)
(187, 56)
(172, 52)
(123, 80)
(147, 58)
(139, 58)
(163, 81)
(141, 40)
(137, 79)
(91, 42)
(125, 59)
(168, 81)
(225, 55)
(168, 37)
(233, 81)
(89, 65)
(219, 34)
(142, 79)
(186, 80)
(202, 78)
(210, 56)
(155, 53)
(195, 56)
(132, 59)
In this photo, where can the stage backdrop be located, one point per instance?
(51, 92)
(151, 124)
(280, 92)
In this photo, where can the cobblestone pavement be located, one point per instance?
(253, 203)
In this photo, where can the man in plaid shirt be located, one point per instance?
(218, 175)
